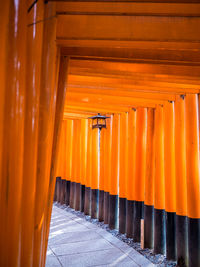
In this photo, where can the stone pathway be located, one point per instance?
(74, 242)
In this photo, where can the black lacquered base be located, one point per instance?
(94, 203)
(170, 235)
(159, 231)
(77, 196)
(101, 205)
(106, 207)
(72, 195)
(129, 218)
(113, 211)
(148, 226)
(194, 242)
(67, 196)
(63, 192)
(58, 188)
(87, 200)
(138, 206)
(182, 240)
(82, 197)
(122, 215)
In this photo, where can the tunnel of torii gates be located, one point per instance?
(136, 62)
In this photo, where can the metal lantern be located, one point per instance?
(98, 121)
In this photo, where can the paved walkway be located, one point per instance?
(74, 242)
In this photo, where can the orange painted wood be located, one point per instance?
(192, 156)
(180, 156)
(169, 157)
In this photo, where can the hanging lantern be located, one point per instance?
(98, 121)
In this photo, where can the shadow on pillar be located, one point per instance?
(101, 205)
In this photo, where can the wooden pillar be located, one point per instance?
(95, 173)
(193, 179)
(181, 183)
(13, 84)
(131, 172)
(113, 197)
(170, 181)
(123, 171)
(87, 205)
(149, 180)
(83, 159)
(108, 148)
(140, 171)
(77, 167)
(159, 184)
(103, 165)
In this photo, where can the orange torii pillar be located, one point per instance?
(60, 163)
(68, 162)
(83, 159)
(170, 181)
(107, 169)
(87, 204)
(95, 173)
(103, 165)
(140, 171)
(181, 183)
(149, 180)
(193, 178)
(113, 196)
(123, 171)
(159, 184)
(131, 172)
(77, 168)
(74, 164)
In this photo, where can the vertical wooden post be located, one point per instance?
(88, 170)
(13, 74)
(83, 159)
(113, 197)
(149, 180)
(108, 147)
(181, 183)
(103, 165)
(95, 173)
(159, 184)
(193, 178)
(77, 168)
(140, 171)
(123, 171)
(131, 172)
(170, 182)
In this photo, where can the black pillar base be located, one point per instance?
(106, 207)
(182, 240)
(78, 196)
(138, 206)
(101, 205)
(113, 211)
(122, 215)
(55, 191)
(58, 188)
(194, 242)
(129, 218)
(94, 203)
(87, 200)
(67, 195)
(72, 195)
(63, 192)
(148, 226)
(170, 235)
(82, 197)
(159, 231)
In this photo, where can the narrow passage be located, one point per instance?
(74, 242)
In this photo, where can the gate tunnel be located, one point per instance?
(137, 62)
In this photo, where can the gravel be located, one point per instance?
(158, 259)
